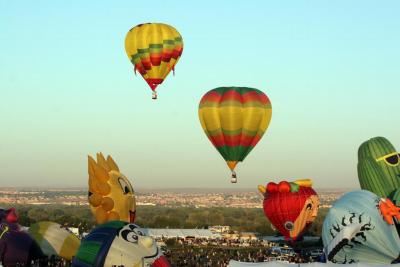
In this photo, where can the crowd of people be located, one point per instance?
(220, 257)
(209, 252)
(218, 252)
(224, 242)
(48, 262)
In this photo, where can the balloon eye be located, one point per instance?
(393, 160)
(132, 237)
(309, 206)
(140, 233)
(289, 226)
(124, 186)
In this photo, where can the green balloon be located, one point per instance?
(378, 167)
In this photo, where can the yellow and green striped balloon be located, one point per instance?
(234, 119)
(154, 49)
(54, 240)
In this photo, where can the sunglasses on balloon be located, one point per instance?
(392, 159)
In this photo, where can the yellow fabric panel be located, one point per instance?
(209, 119)
(53, 239)
(264, 123)
(69, 247)
(130, 46)
(234, 118)
(231, 117)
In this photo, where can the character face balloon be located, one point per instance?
(290, 207)
(354, 231)
(132, 241)
(111, 194)
(379, 167)
(119, 243)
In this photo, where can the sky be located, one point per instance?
(67, 89)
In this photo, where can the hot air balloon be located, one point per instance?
(379, 167)
(54, 240)
(117, 243)
(234, 119)
(111, 195)
(17, 248)
(9, 216)
(290, 207)
(359, 228)
(154, 49)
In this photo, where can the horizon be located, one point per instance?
(172, 189)
(68, 90)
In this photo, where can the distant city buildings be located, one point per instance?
(220, 229)
(244, 199)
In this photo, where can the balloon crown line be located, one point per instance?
(284, 186)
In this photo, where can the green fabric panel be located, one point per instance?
(168, 42)
(88, 251)
(136, 57)
(237, 153)
(113, 224)
(143, 50)
(155, 46)
(395, 197)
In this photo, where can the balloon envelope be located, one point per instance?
(291, 209)
(378, 167)
(118, 243)
(354, 231)
(17, 247)
(154, 49)
(111, 195)
(234, 120)
(55, 240)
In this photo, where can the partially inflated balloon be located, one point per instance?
(379, 167)
(111, 195)
(234, 119)
(290, 207)
(118, 243)
(154, 49)
(17, 248)
(8, 216)
(354, 231)
(55, 240)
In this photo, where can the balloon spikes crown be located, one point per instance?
(99, 174)
(284, 186)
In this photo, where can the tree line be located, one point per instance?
(240, 219)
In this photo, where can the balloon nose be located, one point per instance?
(146, 241)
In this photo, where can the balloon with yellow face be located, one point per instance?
(111, 195)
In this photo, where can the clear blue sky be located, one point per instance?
(330, 68)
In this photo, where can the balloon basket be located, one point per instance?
(233, 178)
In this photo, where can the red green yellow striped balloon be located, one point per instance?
(154, 49)
(234, 119)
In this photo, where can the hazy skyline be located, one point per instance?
(330, 70)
